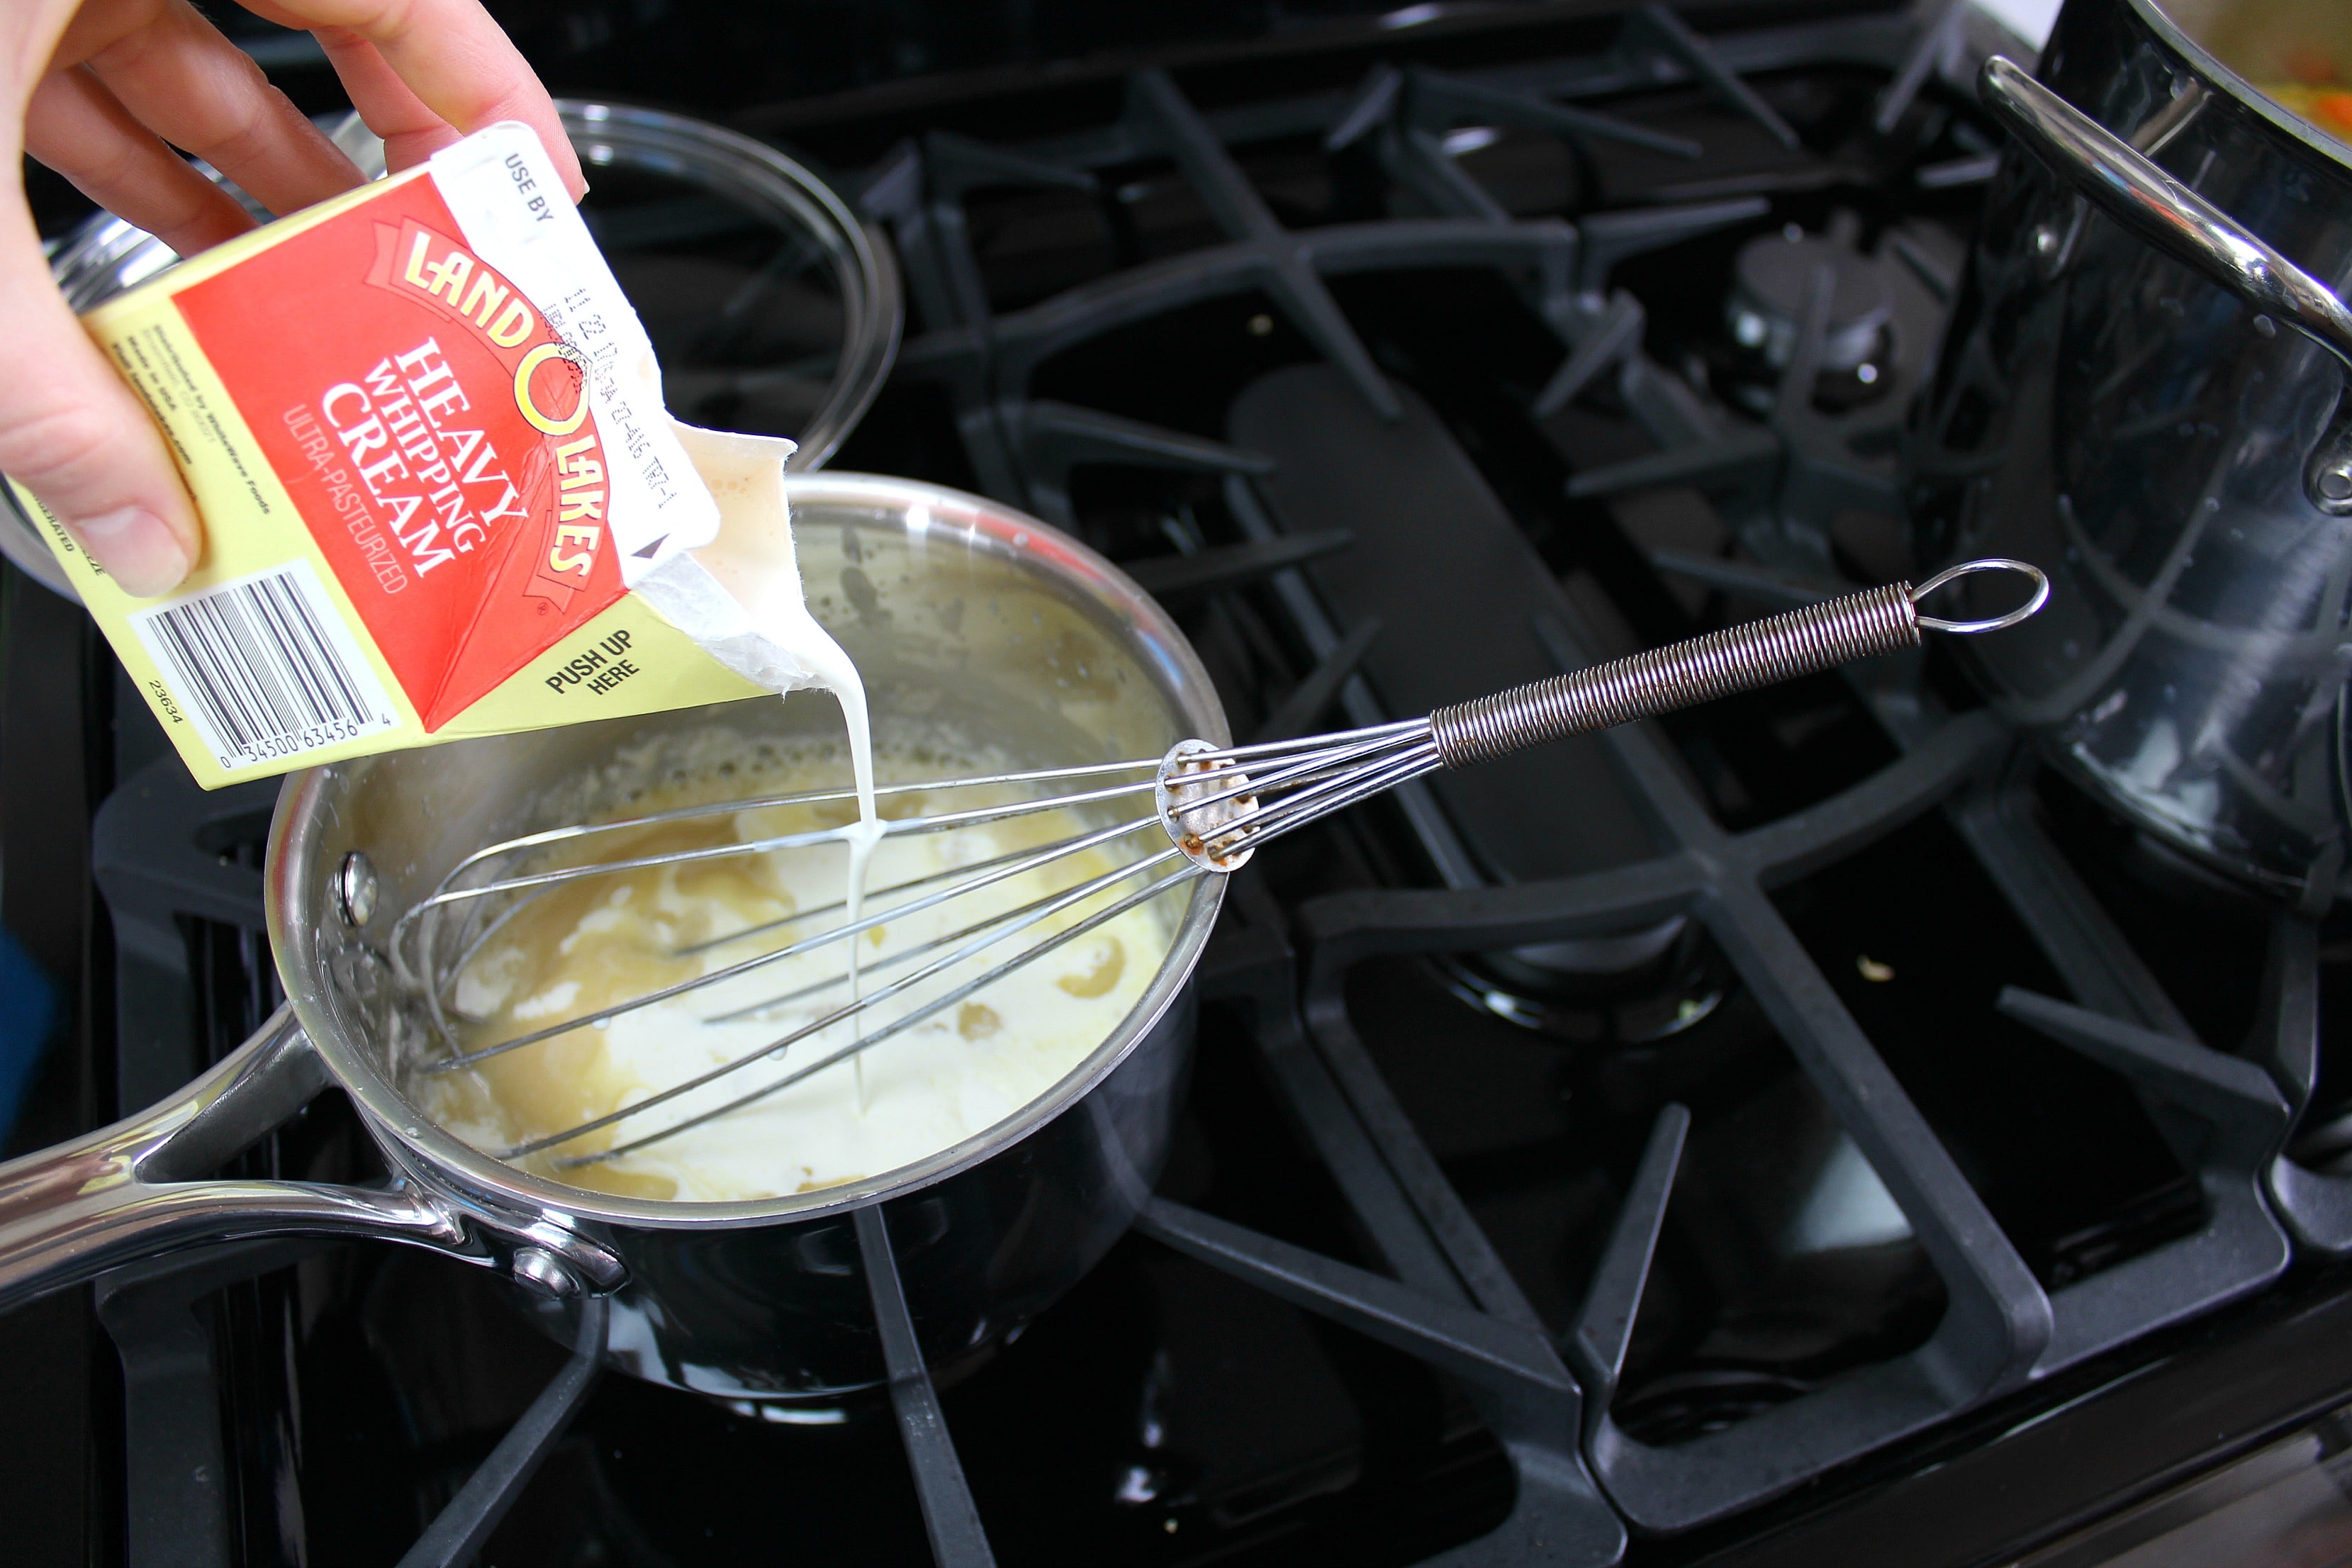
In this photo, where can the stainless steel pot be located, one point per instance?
(2116, 400)
(961, 614)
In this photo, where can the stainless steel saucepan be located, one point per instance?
(961, 614)
(2142, 393)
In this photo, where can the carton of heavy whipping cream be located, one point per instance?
(441, 496)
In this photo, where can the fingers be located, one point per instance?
(204, 95)
(80, 130)
(448, 59)
(410, 132)
(75, 435)
(421, 72)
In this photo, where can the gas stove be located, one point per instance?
(1802, 1130)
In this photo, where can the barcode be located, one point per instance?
(265, 668)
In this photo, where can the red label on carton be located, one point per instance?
(433, 431)
(424, 431)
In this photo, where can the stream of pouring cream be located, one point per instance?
(759, 623)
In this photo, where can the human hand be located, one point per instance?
(96, 89)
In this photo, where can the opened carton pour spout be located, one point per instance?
(440, 493)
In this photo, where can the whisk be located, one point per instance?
(1212, 807)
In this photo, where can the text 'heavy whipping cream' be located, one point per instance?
(441, 495)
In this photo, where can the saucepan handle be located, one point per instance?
(126, 1193)
(2158, 209)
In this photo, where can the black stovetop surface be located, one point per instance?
(1877, 1133)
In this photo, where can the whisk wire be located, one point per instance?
(877, 966)
(1033, 861)
(1324, 791)
(1077, 895)
(547, 838)
(798, 917)
(896, 1026)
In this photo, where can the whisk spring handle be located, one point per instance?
(1659, 681)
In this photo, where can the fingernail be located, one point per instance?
(143, 555)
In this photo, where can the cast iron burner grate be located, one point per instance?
(1656, 505)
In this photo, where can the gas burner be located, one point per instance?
(1602, 992)
(1775, 277)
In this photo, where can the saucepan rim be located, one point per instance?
(2174, 37)
(299, 899)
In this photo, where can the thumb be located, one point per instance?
(75, 435)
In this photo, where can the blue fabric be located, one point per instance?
(29, 1017)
